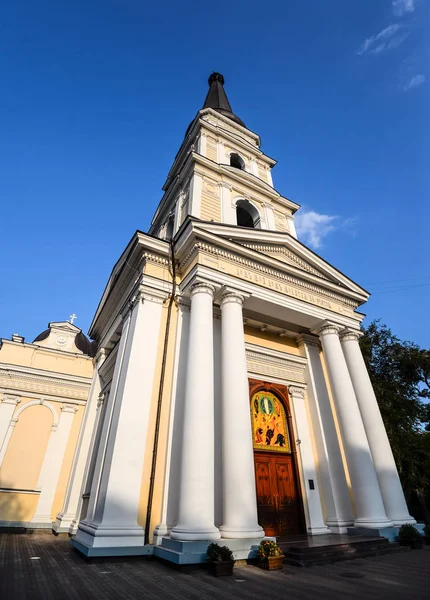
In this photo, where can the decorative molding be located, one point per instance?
(35, 403)
(43, 384)
(350, 335)
(295, 260)
(246, 263)
(286, 367)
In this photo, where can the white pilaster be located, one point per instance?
(291, 226)
(221, 154)
(254, 167)
(196, 494)
(367, 496)
(270, 217)
(51, 466)
(202, 144)
(339, 513)
(240, 509)
(196, 187)
(228, 210)
(112, 518)
(314, 516)
(383, 459)
(7, 408)
(74, 490)
(269, 176)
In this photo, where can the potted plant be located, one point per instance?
(271, 556)
(409, 536)
(220, 560)
(427, 534)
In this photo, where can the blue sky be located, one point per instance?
(95, 99)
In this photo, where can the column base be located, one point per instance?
(63, 523)
(339, 526)
(318, 531)
(108, 540)
(41, 521)
(390, 533)
(195, 552)
(397, 521)
(161, 531)
(241, 533)
(187, 534)
(372, 523)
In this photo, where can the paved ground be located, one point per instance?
(40, 566)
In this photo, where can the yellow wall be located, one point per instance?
(17, 507)
(26, 450)
(29, 355)
(271, 340)
(67, 463)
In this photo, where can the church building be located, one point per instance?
(230, 399)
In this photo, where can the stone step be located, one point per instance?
(334, 554)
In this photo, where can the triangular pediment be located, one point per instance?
(283, 252)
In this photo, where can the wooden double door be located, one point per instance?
(278, 499)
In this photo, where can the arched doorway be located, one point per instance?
(279, 502)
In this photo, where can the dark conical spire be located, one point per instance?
(217, 98)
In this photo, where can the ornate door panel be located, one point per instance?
(265, 497)
(287, 505)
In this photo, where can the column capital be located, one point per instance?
(201, 287)
(296, 392)
(327, 328)
(232, 295)
(350, 335)
(69, 408)
(183, 303)
(100, 357)
(10, 399)
(151, 294)
(304, 339)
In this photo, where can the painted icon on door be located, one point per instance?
(269, 423)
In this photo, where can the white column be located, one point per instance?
(269, 176)
(221, 154)
(202, 144)
(113, 519)
(314, 516)
(51, 467)
(254, 166)
(74, 490)
(383, 459)
(240, 509)
(7, 408)
(367, 496)
(196, 493)
(330, 464)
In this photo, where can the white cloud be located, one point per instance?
(400, 7)
(415, 82)
(313, 227)
(384, 40)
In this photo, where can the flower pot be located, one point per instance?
(272, 563)
(221, 567)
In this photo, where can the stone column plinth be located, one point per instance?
(365, 487)
(240, 509)
(196, 492)
(386, 470)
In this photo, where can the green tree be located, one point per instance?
(400, 374)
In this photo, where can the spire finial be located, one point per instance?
(216, 77)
